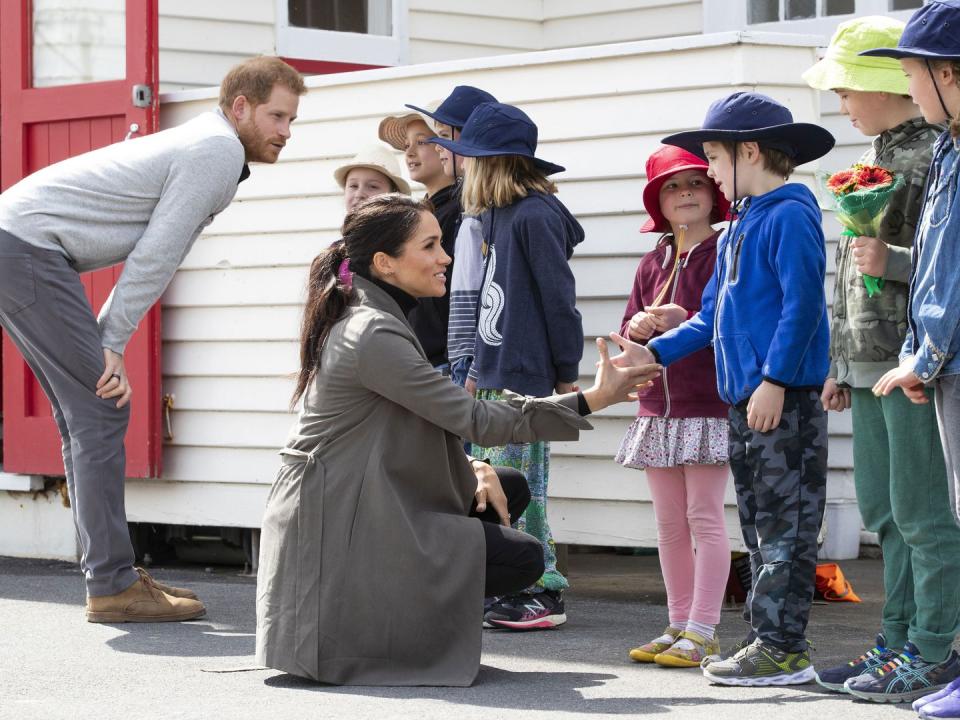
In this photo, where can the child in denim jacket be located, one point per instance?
(929, 52)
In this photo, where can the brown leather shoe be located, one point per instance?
(142, 602)
(175, 591)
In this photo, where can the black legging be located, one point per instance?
(514, 559)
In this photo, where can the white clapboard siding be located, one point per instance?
(569, 23)
(231, 316)
(200, 41)
(454, 29)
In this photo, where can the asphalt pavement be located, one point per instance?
(53, 664)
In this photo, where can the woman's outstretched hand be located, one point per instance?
(618, 378)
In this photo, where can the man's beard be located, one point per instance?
(254, 143)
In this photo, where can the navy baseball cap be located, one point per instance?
(932, 33)
(750, 116)
(456, 109)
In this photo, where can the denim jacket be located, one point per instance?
(934, 301)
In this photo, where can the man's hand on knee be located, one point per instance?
(113, 383)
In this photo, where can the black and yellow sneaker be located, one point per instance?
(877, 656)
(905, 678)
(759, 664)
(730, 651)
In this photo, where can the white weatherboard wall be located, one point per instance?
(200, 41)
(454, 29)
(571, 23)
(231, 315)
(457, 29)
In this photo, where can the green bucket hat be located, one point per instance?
(842, 67)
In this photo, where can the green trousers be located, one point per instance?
(902, 492)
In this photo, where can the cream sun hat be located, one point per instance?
(374, 157)
(842, 67)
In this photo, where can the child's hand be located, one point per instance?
(905, 378)
(870, 255)
(667, 317)
(765, 407)
(642, 327)
(834, 397)
(632, 354)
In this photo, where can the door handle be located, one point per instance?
(134, 129)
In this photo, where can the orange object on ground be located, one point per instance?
(832, 585)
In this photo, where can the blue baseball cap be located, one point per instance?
(752, 117)
(498, 129)
(932, 32)
(456, 109)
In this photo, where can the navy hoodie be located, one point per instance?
(764, 309)
(529, 331)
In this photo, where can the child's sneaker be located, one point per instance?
(690, 653)
(905, 678)
(488, 604)
(528, 612)
(834, 678)
(947, 706)
(938, 695)
(729, 652)
(759, 664)
(648, 651)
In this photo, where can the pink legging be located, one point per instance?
(688, 503)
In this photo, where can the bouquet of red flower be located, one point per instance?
(859, 198)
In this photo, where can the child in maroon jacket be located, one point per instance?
(680, 434)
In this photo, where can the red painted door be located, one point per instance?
(49, 111)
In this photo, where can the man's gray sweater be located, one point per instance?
(141, 202)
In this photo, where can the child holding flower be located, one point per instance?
(898, 461)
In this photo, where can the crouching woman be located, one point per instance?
(377, 547)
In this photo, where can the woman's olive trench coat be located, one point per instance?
(371, 571)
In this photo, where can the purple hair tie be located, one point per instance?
(346, 277)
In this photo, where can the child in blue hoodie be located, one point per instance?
(765, 312)
(530, 334)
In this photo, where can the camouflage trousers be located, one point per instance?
(781, 482)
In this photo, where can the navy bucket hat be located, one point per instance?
(932, 33)
(456, 109)
(498, 129)
(750, 116)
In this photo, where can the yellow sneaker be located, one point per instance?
(647, 652)
(676, 656)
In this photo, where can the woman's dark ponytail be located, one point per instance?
(327, 299)
(381, 224)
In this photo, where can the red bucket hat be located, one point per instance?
(663, 164)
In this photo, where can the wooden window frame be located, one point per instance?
(330, 46)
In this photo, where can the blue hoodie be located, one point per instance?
(764, 309)
(529, 331)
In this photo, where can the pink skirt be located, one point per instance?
(669, 442)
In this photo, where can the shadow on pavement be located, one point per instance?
(198, 638)
(546, 691)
